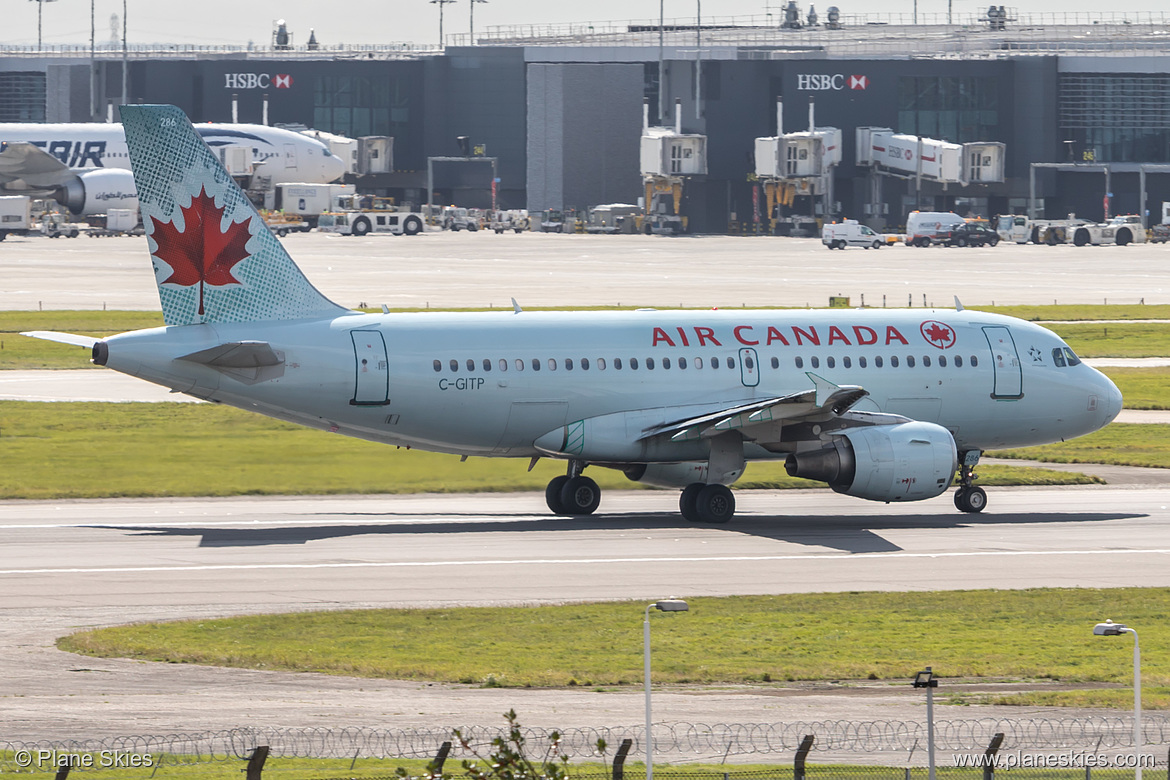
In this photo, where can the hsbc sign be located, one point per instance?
(816, 82)
(257, 81)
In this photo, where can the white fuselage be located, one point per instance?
(493, 383)
(281, 155)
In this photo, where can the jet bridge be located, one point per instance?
(798, 164)
(668, 157)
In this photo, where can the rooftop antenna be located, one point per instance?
(312, 45)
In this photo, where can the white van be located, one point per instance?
(850, 232)
(924, 228)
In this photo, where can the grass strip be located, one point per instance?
(1118, 444)
(1142, 388)
(142, 449)
(743, 639)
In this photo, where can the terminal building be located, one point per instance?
(1080, 103)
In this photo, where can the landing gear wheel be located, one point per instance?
(552, 495)
(580, 496)
(688, 502)
(715, 503)
(970, 499)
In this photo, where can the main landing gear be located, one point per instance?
(969, 498)
(573, 493)
(702, 503)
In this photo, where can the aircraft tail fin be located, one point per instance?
(215, 260)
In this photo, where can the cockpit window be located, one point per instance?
(1063, 356)
(1071, 356)
(1058, 357)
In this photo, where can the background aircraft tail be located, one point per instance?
(214, 258)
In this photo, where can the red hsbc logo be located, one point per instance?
(858, 82)
(284, 81)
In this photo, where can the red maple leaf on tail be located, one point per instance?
(200, 253)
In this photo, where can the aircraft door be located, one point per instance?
(290, 156)
(372, 383)
(749, 367)
(1005, 363)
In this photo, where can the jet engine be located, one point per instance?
(906, 462)
(672, 475)
(98, 191)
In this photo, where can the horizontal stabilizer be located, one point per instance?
(237, 354)
(63, 338)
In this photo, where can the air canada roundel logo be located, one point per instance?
(938, 334)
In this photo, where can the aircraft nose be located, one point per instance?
(334, 167)
(1112, 401)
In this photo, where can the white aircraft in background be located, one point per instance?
(879, 404)
(86, 166)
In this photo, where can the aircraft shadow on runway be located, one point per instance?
(854, 534)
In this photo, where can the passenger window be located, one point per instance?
(470, 364)
(487, 364)
(800, 362)
(682, 363)
(749, 362)
(568, 364)
(519, 364)
(861, 361)
(877, 361)
(649, 364)
(926, 360)
(910, 361)
(698, 362)
(633, 364)
(600, 364)
(893, 361)
(974, 361)
(666, 362)
(816, 361)
(958, 361)
(731, 362)
(831, 362)
(535, 364)
(503, 364)
(847, 361)
(714, 362)
(617, 364)
(454, 365)
(552, 364)
(775, 362)
(942, 360)
(1071, 356)
(438, 365)
(584, 364)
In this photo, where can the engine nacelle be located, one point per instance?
(98, 191)
(675, 475)
(906, 462)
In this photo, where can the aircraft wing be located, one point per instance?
(29, 170)
(824, 401)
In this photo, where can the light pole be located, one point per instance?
(666, 605)
(926, 679)
(1109, 628)
(471, 5)
(40, 8)
(441, 3)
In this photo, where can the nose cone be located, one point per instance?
(334, 168)
(1112, 401)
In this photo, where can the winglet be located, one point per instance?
(958, 304)
(516, 307)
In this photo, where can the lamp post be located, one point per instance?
(666, 605)
(40, 9)
(441, 3)
(1109, 628)
(471, 21)
(926, 679)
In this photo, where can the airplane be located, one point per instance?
(879, 404)
(86, 166)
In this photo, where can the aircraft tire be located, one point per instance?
(688, 502)
(580, 496)
(552, 494)
(972, 499)
(716, 504)
(412, 226)
(361, 226)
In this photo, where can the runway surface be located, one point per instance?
(74, 564)
(443, 270)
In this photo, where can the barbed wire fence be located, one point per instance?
(673, 741)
